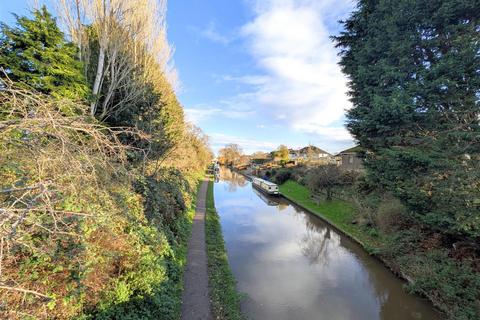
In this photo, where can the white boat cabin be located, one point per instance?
(265, 186)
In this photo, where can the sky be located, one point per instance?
(258, 73)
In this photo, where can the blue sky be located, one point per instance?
(259, 73)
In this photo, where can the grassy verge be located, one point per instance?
(224, 297)
(337, 212)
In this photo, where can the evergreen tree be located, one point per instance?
(414, 69)
(35, 53)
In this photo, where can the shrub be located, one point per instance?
(391, 214)
(349, 178)
(82, 240)
(453, 286)
(282, 176)
(324, 178)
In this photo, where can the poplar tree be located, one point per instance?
(414, 70)
(35, 53)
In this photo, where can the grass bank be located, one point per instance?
(338, 213)
(224, 297)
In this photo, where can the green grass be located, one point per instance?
(337, 212)
(224, 297)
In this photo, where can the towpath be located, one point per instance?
(196, 303)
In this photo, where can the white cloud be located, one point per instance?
(219, 140)
(299, 84)
(247, 79)
(302, 85)
(211, 33)
(199, 114)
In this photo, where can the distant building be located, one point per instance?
(293, 154)
(310, 153)
(244, 162)
(351, 159)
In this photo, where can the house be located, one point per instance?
(293, 154)
(351, 159)
(260, 159)
(310, 154)
(313, 153)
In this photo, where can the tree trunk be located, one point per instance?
(98, 79)
(79, 30)
(329, 194)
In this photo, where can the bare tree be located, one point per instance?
(132, 45)
(55, 157)
(231, 154)
(324, 178)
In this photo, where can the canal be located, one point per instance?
(292, 265)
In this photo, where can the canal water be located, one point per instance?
(292, 265)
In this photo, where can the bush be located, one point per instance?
(391, 214)
(282, 176)
(454, 287)
(82, 239)
(349, 178)
(324, 179)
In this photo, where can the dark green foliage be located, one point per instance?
(282, 176)
(455, 286)
(164, 302)
(414, 72)
(268, 174)
(35, 53)
(112, 251)
(223, 294)
(163, 196)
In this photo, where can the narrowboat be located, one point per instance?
(265, 186)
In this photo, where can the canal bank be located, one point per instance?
(302, 199)
(224, 298)
(300, 196)
(337, 218)
(291, 264)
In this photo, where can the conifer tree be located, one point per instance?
(35, 53)
(414, 70)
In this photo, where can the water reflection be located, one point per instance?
(315, 245)
(269, 201)
(234, 179)
(294, 266)
(282, 206)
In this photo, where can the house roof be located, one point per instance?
(316, 150)
(355, 149)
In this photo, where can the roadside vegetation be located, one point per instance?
(97, 179)
(224, 297)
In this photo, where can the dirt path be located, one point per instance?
(196, 304)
